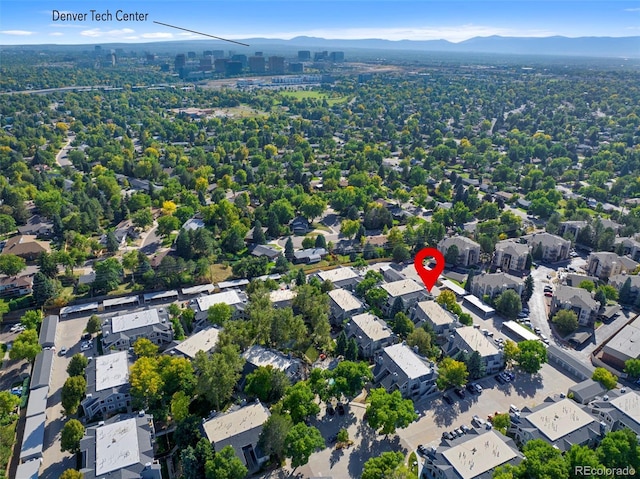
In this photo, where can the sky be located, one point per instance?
(32, 21)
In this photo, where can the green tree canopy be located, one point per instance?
(72, 393)
(382, 466)
(451, 373)
(70, 437)
(604, 377)
(388, 411)
(26, 346)
(301, 442)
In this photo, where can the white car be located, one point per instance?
(17, 328)
(85, 346)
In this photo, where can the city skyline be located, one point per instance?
(33, 22)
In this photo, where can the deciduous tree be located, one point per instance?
(72, 393)
(301, 442)
(388, 411)
(70, 437)
(604, 377)
(451, 373)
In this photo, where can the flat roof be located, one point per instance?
(228, 297)
(345, 299)
(120, 301)
(372, 326)
(338, 274)
(37, 401)
(407, 360)
(479, 454)
(204, 340)
(112, 370)
(78, 308)
(28, 470)
(559, 419)
(259, 356)
(33, 436)
(436, 313)
(626, 341)
(477, 302)
(628, 404)
(282, 295)
(116, 446)
(521, 331)
(135, 320)
(201, 288)
(173, 293)
(231, 424)
(477, 341)
(234, 283)
(402, 287)
(458, 290)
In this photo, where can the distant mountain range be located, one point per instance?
(557, 45)
(603, 47)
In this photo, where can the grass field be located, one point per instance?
(300, 94)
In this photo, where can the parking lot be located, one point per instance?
(524, 390)
(68, 336)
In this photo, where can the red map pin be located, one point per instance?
(429, 276)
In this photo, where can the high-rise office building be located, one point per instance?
(276, 65)
(256, 64)
(304, 55)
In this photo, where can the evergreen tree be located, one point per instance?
(288, 249)
(273, 225)
(44, 288)
(529, 262)
(396, 307)
(538, 252)
(282, 265)
(321, 242)
(300, 278)
(475, 365)
(258, 234)
(469, 284)
(625, 292)
(361, 233)
(112, 243)
(341, 344)
(183, 245)
(352, 350)
(528, 289)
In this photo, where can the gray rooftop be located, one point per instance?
(476, 341)
(112, 370)
(204, 340)
(345, 299)
(575, 297)
(498, 280)
(37, 401)
(512, 248)
(33, 440)
(402, 287)
(28, 470)
(408, 361)
(225, 426)
(436, 313)
(135, 320)
(338, 274)
(548, 240)
(371, 326)
(48, 330)
(42, 367)
(228, 297)
(116, 446)
(559, 419)
(479, 454)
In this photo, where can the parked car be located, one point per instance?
(477, 387)
(86, 337)
(447, 435)
(460, 392)
(340, 409)
(478, 421)
(62, 352)
(86, 346)
(422, 450)
(522, 314)
(510, 375)
(513, 408)
(500, 379)
(331, 411)
(537, 330)
(544, 338)
(548, 294)
(18, 328)
(548, 288)
(16, 391)
(459, 432)
(465, 428)
(447, 399)
(525, 310)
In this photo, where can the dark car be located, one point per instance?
(510, 375)
(460, 392)
(500, 379)
(447, 435)
(340, 408)
(330, 411)
(470, 388)
(86, 336)
(422, 450)
(447, 399)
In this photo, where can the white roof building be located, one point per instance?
(204, 340)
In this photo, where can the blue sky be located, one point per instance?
(30, 21)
